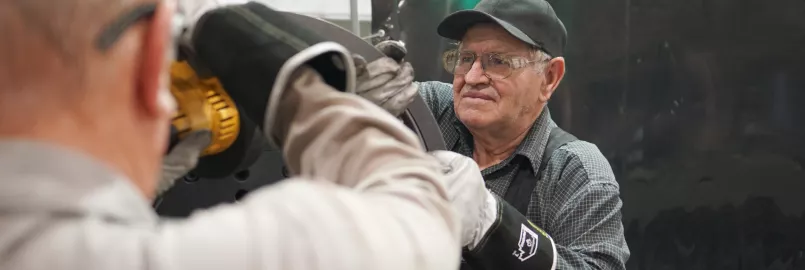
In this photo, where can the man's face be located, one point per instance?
(484, 103)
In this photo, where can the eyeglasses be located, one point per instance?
(113, 31)
(496, 66)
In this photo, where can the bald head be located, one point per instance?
(49, 39)
(111, 103)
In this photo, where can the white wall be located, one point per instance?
(326, 9)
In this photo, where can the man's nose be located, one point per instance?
(476, 74)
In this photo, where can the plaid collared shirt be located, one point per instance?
(577, 200)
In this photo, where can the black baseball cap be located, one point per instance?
(532, 21)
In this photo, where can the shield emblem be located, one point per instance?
(527, 246)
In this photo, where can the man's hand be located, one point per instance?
(467, 192)
(182, 158)
(394, 49)
(387, 82)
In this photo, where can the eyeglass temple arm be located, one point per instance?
(111, 33)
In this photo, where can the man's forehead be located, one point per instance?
(491, 37)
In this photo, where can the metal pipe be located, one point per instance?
(379, 34)
(353, 16)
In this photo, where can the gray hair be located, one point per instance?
(541, 57)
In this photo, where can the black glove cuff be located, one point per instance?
(513, 242)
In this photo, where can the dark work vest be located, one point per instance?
(522, 186)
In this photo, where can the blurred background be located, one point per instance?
(335, 11)
(699, 105)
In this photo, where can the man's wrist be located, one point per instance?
(513, 242)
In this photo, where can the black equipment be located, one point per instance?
(257, 164)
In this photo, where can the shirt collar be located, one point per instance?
(531, 148)
(533, 145)
(42, 178)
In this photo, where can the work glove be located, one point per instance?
(386, 82)
(256, 51)
(467, 192)
(393, 48)
(494, 234)
(182, 158)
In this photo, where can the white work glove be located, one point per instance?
(386, 82)
(394, 49)
(182, 158)
(467, 192)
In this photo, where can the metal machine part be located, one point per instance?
(194, 192)
(384, 20)
(203, 104)
(259, 165)
(698, 106)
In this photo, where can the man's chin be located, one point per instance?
(475, 119)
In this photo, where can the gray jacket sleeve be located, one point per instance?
(365, 196)
(393, 216)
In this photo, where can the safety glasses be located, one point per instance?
(496, 66)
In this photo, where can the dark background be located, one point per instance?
(699, 107)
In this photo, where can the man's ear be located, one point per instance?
(554, 72)
(156, 58)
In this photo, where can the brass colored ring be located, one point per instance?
(203, 104)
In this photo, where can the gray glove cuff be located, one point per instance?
(182, 159)
(386, 83)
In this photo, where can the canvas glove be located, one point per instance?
(386, 82)
(182, 158)
(393, 48)
(467, 192)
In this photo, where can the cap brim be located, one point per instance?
(455, 25)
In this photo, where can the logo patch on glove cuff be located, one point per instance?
(527, 246)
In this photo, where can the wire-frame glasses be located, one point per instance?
(495, 65)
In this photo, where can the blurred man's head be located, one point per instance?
(508, 62)
(90, 75)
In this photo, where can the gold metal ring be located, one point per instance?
(203, 104)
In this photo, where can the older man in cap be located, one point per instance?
(507, 65)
